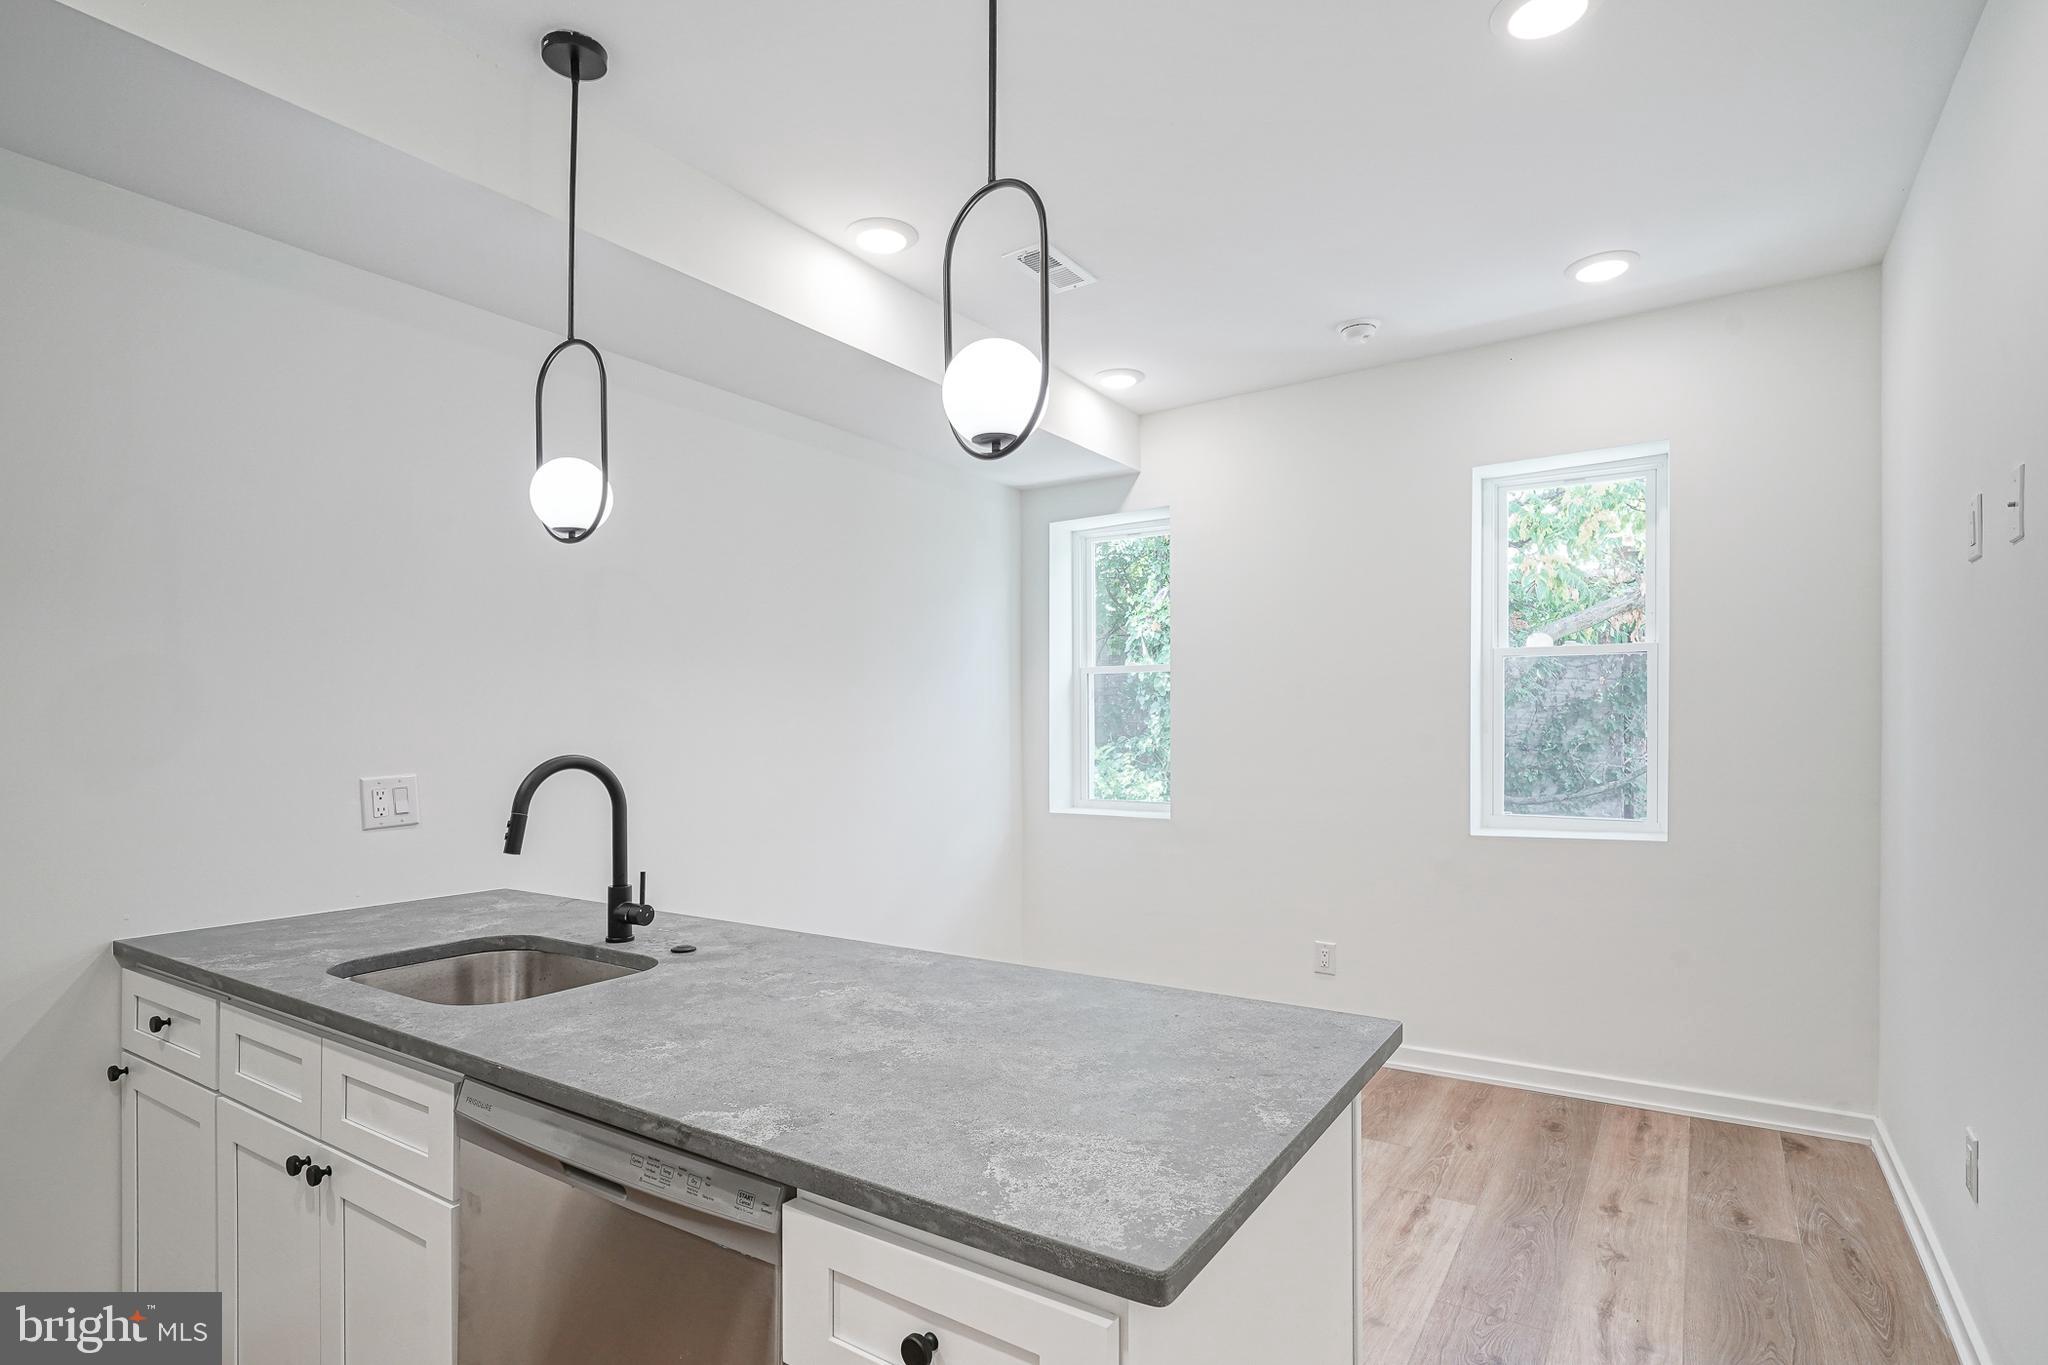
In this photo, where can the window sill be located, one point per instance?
(1648, 836)
(1113, 812)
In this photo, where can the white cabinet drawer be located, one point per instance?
(852, 1293)
(168, 1024)
(390, 1116)
(271, 1067)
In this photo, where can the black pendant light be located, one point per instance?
(988, 391)
(571, 496)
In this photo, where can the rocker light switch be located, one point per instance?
(390, 801)
(1976, 527)
(2016, 505)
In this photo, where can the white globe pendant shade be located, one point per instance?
(565, 492)
(989, 391)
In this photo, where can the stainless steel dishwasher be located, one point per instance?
(580, 1243)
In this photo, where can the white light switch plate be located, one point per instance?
(2016, 505)
(389, 801)
(1976, 527)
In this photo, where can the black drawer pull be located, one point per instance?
(115, 1073)
(294, 1164)
(159, 1022)
(316, 1174)
(920, 1348)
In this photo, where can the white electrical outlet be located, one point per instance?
(1976, 527)
(391, 801)
(1971, 1157)
(1326, 958)
(2016, 505)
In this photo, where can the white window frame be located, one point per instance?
(1070, 599)
(1490, 650)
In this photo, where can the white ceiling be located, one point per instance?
(133, 114)
(1244, 176)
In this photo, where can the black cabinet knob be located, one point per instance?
(316, 1174)
(159, 1022)
(115, 1073)
(294, 1164)
(920, 1348)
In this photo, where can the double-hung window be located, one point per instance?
(1111, 653)
(1571, 626)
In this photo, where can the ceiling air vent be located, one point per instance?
(1066, 275)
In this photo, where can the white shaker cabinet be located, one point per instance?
(269, 1228)
(324, 1260)
(387, 1270)
(320, 1256)
(854, 1294)
(167, 1179)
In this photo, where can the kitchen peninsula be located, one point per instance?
(999, 1156)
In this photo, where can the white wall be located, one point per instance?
(1322, 542)
(1963, 944)
(266, 533)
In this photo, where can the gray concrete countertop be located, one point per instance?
(1111, 1133)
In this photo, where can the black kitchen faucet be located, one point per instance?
(621, 911)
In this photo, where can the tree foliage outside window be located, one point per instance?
(1575, 563)
(1578, 736)
(1130, 701)
(1576, 727)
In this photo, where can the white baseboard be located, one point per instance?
(1744, 1109)
(1955, 1310)
(1669, 1099)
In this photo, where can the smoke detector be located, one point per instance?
(1066, 275)
(1359, 330)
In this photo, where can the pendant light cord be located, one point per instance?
(575, 102)
(991, 91)
(564, 53)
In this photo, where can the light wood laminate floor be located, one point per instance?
(1505, 1227)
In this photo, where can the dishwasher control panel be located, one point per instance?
(591, 1149)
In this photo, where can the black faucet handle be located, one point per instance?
(637, 912)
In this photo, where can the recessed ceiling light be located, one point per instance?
(1120, 379)
(1601, 268)
(882, 236)
(1532, 19)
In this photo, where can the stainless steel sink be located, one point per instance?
(481, 973)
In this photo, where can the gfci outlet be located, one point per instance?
(1970, 1163)
(390, 801)
(1326, 958)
